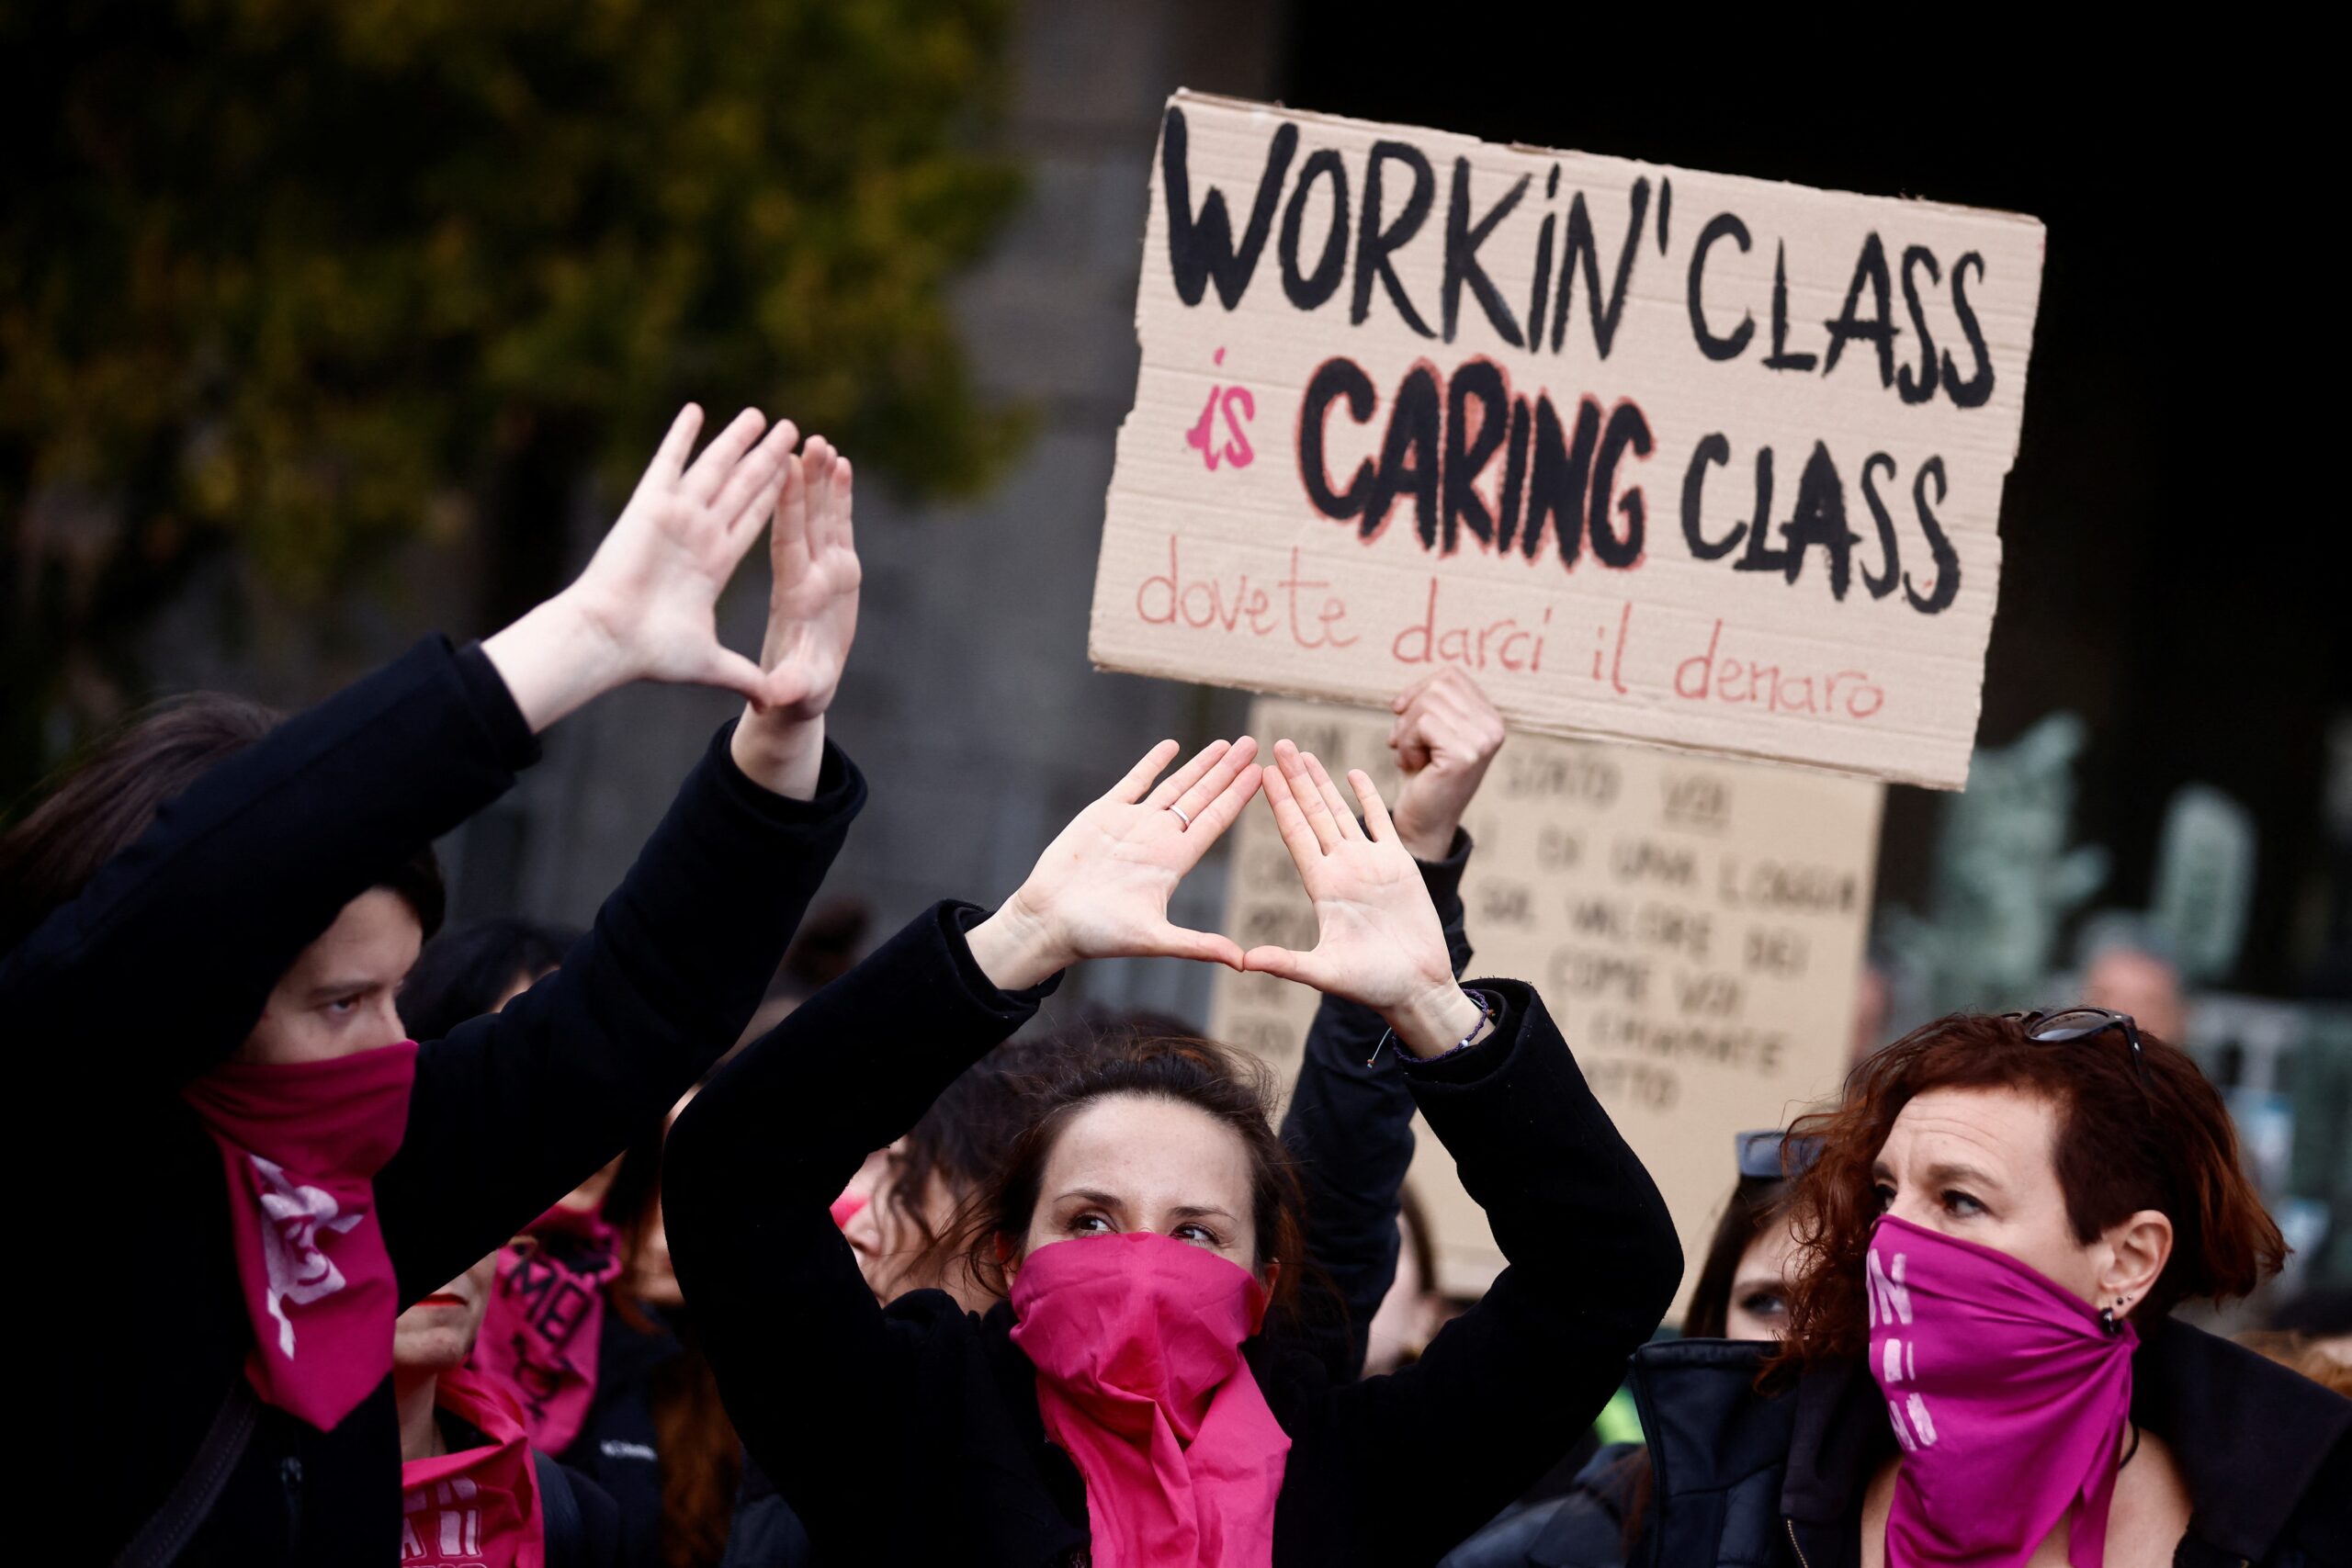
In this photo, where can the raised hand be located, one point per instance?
(812, 596)
(1445, 734)
(812, 618)
(1101, 890)
(1377, 937)
(643, 610)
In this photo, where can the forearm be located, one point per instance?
(750, 1170)
(1565, 1195)
(519, 1106)
(237, 876)
(1594, 1264)
(1349, 1125)
(557, 660)
(782, 758)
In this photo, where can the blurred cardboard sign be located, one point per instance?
(1695, 927)
(1658, 455)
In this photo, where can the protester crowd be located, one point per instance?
(519, 1246)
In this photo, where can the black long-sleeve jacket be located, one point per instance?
(911, 1434)
(1350, 1129)
(160, 968)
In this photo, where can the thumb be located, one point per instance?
(1280, 962)
(1209, 947)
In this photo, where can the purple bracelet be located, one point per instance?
(1489, 1009)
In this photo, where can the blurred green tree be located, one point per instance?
(305, 279)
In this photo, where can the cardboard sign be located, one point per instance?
(1694, 926)
(1658, 455)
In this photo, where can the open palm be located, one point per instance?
(812, 597)
(651, 587)
(1378, 941)
(1101, 890)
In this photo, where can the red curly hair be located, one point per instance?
(2122, 1144)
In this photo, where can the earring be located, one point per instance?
(2107, 1321)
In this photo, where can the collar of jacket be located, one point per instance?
(2248, 1435)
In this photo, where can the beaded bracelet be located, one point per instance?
(1489, 1009)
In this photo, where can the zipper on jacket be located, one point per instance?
(1791, 1525)
(290, 1476)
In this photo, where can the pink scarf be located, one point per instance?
(478, 1508)
(2008, 1395)
(1138, 1344)
(301, 1144)
(546, 1319)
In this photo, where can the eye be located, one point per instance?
(1763, 1304)
(1960, 1204)
(1885, 1191)
(1088, 1224)
(343, 1006)
(1199, 1235)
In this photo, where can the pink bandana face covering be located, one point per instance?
(300, 1143)
(478, 1508)
(546, 1319)
(2008, 1395)
(1137, 1343)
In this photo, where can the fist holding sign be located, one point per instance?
(1666, 457)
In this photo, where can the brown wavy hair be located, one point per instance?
(1227, 1084)
(2122, 1144)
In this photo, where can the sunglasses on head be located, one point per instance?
(2069, 1024)
(1761, 1154)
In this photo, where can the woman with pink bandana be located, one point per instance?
(1980, 1368)
(1124, 1404)
(203, 932)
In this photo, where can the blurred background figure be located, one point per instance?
(1874, 1007)
(2127, 966)
(582, 1322)
(1742, 1293)
(474, 1489)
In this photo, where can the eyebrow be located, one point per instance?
(1941, 1175)
(1105, 1200)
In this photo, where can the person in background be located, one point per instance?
(657, 1436)
(478, 968)
(546, 1304)
(2128, 968)
(475, 1493)
(299, 1169)
(1981, 1363)
(1151, 1195)
(1874, 1005)
(1741, 1293)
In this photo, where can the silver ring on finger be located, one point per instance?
(1180, 813)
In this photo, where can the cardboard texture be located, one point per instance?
(1695, 926)
(1658, 455)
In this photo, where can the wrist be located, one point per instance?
(556, 659)
(1437, 1020)
(1430, 843)
(782, 757)
(1015, 949)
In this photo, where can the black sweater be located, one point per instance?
(911, 1434)
(159, 970)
